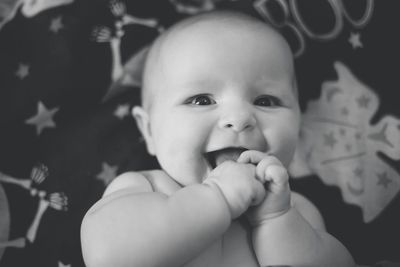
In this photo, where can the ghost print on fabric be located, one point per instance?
(340, 145)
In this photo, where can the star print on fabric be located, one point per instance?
(355, 41)
(383, 179)
(56, 24)
(23, 71)
(122, 111)
(344, 111)
(108, 173)
(43, 119)
(330, 140)
(363, 101)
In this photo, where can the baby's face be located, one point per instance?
(222, 91)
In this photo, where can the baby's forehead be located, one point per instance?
(201, 29)
(207, 25)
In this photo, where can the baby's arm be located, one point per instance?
(131, 228)
(292, 235)
(136, 227)
(292, 240)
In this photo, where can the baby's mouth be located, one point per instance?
(217, 157)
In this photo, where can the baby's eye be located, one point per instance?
(267, 101)
(200, 100)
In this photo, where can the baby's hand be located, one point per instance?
(238, 184)
(271, 172)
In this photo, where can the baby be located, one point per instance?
(220, 112)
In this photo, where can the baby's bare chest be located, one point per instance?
(232, 250)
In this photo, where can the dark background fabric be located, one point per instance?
(62, 140)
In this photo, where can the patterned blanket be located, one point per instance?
(70, 73)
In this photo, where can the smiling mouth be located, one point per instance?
(217, 157)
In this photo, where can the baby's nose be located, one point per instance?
(237, 120)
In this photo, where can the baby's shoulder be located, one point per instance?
(125, 184)
(142, 181)
(129, 180)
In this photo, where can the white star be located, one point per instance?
(355, 41)
(121, 111)
(43, 118)
(108, 173)
(60, 264)
(56, 24)
(23, 71)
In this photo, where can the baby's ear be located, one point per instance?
(143, 123)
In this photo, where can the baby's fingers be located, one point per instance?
(251, 156)
(276, 174)
(263, 165)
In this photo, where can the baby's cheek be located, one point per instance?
(286, 150)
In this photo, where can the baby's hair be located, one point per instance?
(227, 17)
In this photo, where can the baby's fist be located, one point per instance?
(271, 172)
(238, 184)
